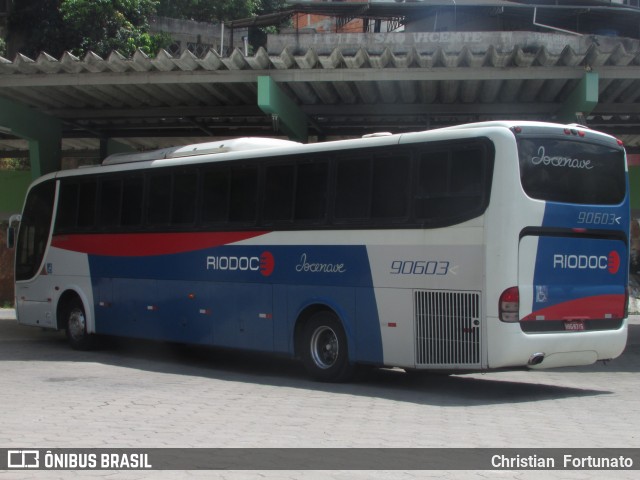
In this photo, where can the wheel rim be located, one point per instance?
(325, 347)
(76, 324)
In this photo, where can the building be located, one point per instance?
(197, 37)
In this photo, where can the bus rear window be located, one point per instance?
(568, 171)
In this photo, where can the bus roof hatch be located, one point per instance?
(232, 145)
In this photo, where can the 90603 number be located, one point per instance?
(598, 218)
(419, 267)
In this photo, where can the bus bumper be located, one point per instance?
(508, 346)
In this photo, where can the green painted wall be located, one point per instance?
(634, 187)
(13, 185)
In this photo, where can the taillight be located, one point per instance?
(509, 305)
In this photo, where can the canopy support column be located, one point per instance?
(44, 134)
(286, 114)
(582, 100)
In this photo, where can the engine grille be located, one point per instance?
(447, 328)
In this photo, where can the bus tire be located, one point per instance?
(324, 349)
(76, 326)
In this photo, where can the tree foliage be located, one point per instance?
(106, 25)
(258, 35)
(78, 26)
(209, 10)
(15, 163)
(56, 26)
(38, 25)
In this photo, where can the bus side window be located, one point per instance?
(132, 198)
(159, 199)
(243, 204)
(67, 215)
(76, 206)
(183, 208)
(215, 196)
(278, 193)
(87, 204)
(110, 203)
(467, 172)
(451, 184)
(390, 187)
(353, 189)
(312, 186)
(433, 184)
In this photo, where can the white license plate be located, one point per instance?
(574, 325)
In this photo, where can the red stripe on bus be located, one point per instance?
(147, 244)
(596, 307)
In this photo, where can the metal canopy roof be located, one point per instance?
(346, 87)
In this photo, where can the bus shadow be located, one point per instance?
(392, 384)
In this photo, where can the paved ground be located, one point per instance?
(137, 394)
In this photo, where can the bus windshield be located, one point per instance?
(570, 171)
(34, 230)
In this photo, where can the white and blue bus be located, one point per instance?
(485, 246)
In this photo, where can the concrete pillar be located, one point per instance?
(44, 134)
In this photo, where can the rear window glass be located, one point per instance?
(567, 171)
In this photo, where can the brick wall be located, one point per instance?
(6, 269)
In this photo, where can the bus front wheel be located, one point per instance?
(324, 349)
(76, 326)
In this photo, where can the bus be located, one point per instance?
(494, 245)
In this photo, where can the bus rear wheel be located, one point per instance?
(76, 326)
(324, 349)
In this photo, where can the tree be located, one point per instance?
(82, 25)
(56, 26)
(36, 25)
(258, 35)
(106, 25)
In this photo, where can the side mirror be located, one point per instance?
(11, 230)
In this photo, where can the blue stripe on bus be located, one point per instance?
(237, 296)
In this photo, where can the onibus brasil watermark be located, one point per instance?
(81, 460)
(588, 462)
(320, 459)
